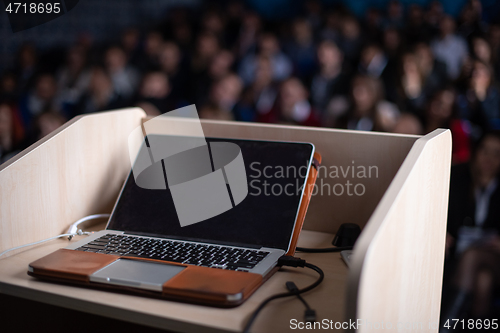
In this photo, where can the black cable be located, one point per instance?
(291, 262)
(309, 314)
(324, 250)
(292, 287)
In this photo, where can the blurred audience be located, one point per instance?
(406, 69)
(472, 271)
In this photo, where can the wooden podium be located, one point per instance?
(400, 202)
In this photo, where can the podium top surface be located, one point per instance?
(328, 299)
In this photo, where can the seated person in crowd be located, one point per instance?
(40, 99)
(171, 63)
(207, 46)
(441, 112)
(481, 50)
(301, 48)
(494, 42)
(153, 94)
(220, 66)
(292, 106)
(268, 47)
(26, 67)
(224, 99)
(365, 110)
(125, 78)
(330, 80)
(480, 102)
(152, 48)
(409, 92)
(449, 47)
(433, 71)
(73, 79)
(11, 132)
(130, 42)
(9, 88)
(101, 94)
(418, 77)
(47, 122)
(408, 123)
(260, 96)
(350, 40)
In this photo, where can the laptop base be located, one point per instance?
(193, 284)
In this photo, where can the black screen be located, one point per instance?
(262, 219)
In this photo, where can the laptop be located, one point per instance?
(152, 246)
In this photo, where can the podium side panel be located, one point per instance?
(75, 171)
(397, 269)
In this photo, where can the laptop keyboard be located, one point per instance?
(215, 256)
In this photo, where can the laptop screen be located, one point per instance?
(275, 173)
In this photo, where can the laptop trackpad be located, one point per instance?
(136, 273)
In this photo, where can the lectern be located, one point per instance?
(395, 187)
